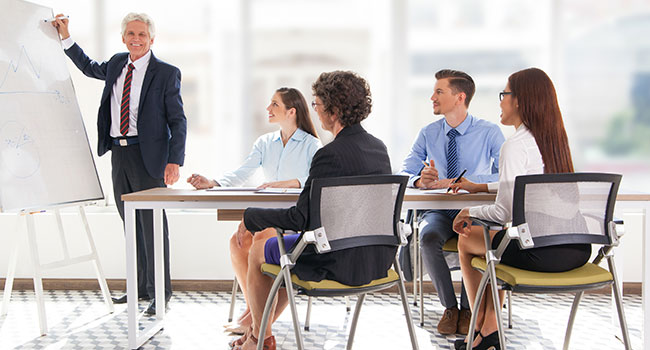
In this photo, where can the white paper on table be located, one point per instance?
(443, 191)
(280, 190)
(223, 188)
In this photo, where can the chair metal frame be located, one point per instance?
(518, 230)
(418, 272)
(318, 238)
(233, 300)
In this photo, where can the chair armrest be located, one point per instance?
(405, 231)
(280, 233)
(487, 227)
(289, 259)
(490, 225)
(316, 237)
(616, 230)
(410, 216)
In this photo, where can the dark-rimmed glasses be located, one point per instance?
(314, 104)
(502, 94)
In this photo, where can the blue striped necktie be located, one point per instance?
(452, 164)
(452, 154)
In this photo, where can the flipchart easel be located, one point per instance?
(39, 268)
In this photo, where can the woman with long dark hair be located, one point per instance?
(539, 145)
(285, 157)
(341, 100)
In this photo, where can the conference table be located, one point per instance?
(229, 205)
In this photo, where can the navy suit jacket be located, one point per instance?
(353, 152)
(162, 125)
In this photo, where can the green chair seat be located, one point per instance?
(324, 285)
(451, 245)
(588, 274)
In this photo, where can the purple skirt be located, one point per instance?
(272, 251)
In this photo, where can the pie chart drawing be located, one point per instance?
(18, 150)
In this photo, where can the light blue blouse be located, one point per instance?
(279, 162)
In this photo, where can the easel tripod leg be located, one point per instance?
(11, 271)
(101, 278)
(38, 280)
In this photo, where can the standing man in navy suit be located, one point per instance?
(141, 120)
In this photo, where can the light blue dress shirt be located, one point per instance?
(279, 162)
(478, 147)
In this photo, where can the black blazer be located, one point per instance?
(353, 152)
(162, 125)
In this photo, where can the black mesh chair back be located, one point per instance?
(548, 210)
(358, 210)
(344, 213)
(565, 208)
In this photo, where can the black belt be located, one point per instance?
(126, 141)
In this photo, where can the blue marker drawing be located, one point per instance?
(18, 150)
(20, 141)
(24, 60)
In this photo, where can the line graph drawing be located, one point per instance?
(18, 150)
(43, 139)
(24, 60)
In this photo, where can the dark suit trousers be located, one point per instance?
(130, 175)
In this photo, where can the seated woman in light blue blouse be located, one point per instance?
(285, 157)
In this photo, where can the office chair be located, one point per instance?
(555, 209)
(237, 215)
(233, 300)
(345, 212)
(450, 249)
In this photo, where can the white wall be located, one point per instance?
(199, 244)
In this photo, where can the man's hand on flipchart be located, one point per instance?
(172, 173)
(61, 25)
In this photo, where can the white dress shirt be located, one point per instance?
(137, 78)
(140, 65)
(519, 156)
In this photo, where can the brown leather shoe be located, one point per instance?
(464, 318)
(269, 343)
(449, 321)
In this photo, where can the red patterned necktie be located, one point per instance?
(124, 109)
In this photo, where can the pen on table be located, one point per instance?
(55, 18)
(457, 179)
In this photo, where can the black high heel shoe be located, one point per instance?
(491, 340)
(461, 344)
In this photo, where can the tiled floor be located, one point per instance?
(79, 320)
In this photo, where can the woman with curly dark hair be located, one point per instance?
(344, 95)
(342, 100)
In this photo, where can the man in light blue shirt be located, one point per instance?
(450, 145)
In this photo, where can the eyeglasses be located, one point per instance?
(314, 104)
(503, 94)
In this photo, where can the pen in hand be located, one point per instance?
(55, 18)
(457, 179)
